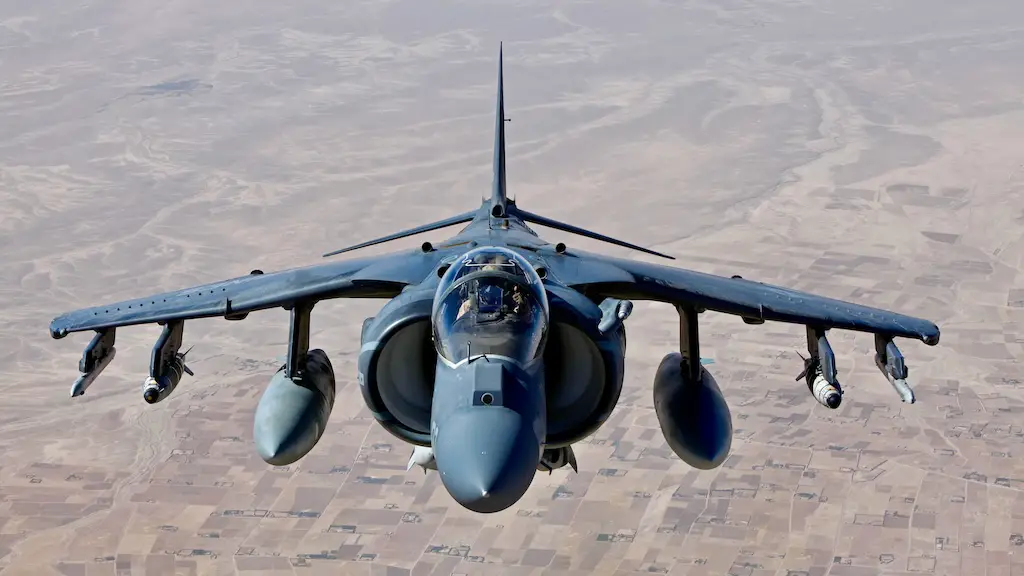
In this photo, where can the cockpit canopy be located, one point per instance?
(490, 301)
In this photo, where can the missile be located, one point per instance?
(890, 362)
(156, 389)
(95, 358)
(88, 377)
(898, 384)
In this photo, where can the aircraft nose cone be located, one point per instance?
(487, 457)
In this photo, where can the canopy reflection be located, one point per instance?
(490, 301)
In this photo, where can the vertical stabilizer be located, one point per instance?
(499, 206)
(498, 196)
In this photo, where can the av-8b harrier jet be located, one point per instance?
(496, 350)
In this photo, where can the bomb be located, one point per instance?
(820, 370)
(155, 389)
(828, 395)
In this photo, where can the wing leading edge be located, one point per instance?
(373, 277)
(756, 302)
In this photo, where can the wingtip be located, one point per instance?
(57, 331)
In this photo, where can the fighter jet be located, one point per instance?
(496, 350)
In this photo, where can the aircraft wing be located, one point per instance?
(374, 277)
(756, 302)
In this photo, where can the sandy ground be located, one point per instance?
(867, 151)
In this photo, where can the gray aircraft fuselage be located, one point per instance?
(489, 416)
(496, 350)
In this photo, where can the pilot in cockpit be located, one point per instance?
(490, 302)
(491, 298)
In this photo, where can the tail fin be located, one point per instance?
(499, 199)
(498, 195)
(499, 205)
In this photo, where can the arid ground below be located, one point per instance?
(869, 151)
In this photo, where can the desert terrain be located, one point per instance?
(869, 151)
